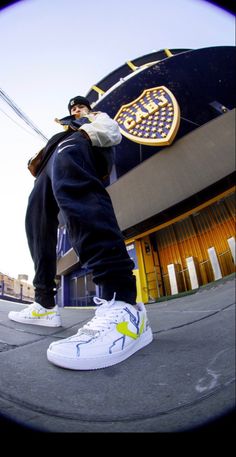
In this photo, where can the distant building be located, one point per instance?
(16, 289)
(172, 184)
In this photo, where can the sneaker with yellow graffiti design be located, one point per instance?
(36, 314)
(117, 331)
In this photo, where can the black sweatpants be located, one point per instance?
(69, 183)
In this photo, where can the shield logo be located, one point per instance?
(152, 119)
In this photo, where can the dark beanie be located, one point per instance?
(79, 100)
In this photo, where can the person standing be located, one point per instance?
(69, 179)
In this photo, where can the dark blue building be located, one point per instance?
(173, 200)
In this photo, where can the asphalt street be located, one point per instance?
(183, 381)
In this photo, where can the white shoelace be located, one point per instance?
(105, 315)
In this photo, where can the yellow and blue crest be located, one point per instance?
(152, 119)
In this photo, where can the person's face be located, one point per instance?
(79, 111)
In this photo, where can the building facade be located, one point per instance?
(16, 289)
(172, 184)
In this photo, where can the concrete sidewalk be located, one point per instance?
(183, 380)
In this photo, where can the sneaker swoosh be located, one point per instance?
(35, 314)
(122, 327)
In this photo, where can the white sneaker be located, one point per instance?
(116, 331)
(37, 315)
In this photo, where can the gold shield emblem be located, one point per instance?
(152, 119)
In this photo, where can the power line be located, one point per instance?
(15, 122)
(21, 114)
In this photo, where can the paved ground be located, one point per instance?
(183, 381)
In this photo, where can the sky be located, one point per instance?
(54, 50)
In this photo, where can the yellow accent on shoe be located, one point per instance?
(35, 314)
(142, 327)
(122, 327)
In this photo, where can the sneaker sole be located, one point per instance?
(101, 362)
(35, 322)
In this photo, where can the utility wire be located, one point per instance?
(20, 113)
(15, 122)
